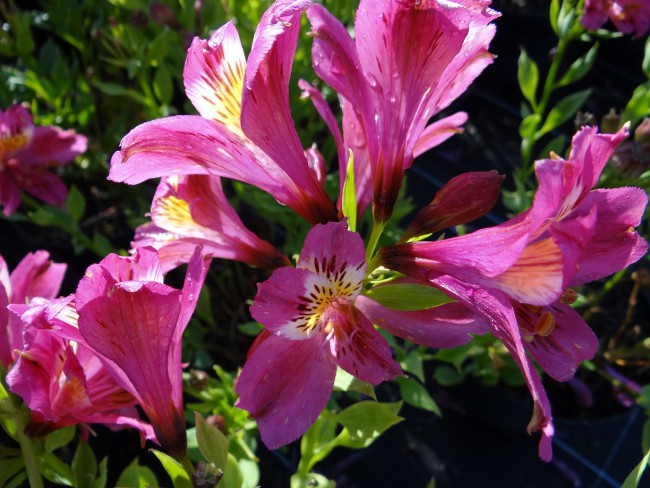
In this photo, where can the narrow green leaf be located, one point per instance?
(163, 85)
(24, 39)
(344, 381)
(84, 466)
(349, 203)
(213, 444)
(100, 482)
(638, 106)
(365, 421)
(580, 67)
(563, 111)
(408, 296)
(414, 393)
(59, 438)
(55, 470)
(317, 442)
(632, 481)
(76, 204)
(556, 145)
(528, 76)
(179, 476)
(553, 14)
(529, 126)
(250, 472)
(9, 468)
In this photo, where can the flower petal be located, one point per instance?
(51, 145)
(214, 76)
(285, 385)
(449, 325)
(438, 132)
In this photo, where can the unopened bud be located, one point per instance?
(610, 122)
(642, 132)
(199, 380)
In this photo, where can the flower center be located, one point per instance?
(12, 143)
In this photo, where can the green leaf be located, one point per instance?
(163, 85)
(344, 381)
(137, 476)
(55, 470)
(232, 477)
(311, 480)
(100, 482)
(117, 90)
(179, 476)
(632, 481)
(638, 106)
(24, 39)
(447, 376)
(349, 198)
(408, 296)
(101, 244)
(76, 204)
(553, 15)
(212, 443)
(528, 76)
(529, 126)
(413, 364)
(318, 441)
(59, 438)
(9, 468)
(580, 67)
(84, 466)
(414, 393)
(645, 436)
(365, 421)
(563, 111)
(250, 472)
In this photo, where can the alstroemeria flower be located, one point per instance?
(61, 380)
(35, 276)
(516, 274)
(190, 211)
(316, 320)
(134, 322)
(407, 62)
(26, 153)
(244, 130)
(627, 15)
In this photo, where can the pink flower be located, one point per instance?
(190, 211)
(26, 152)
(408, 61)
(516, 274)
(316, 320)
(244, 130)
(134, 323)
(35, 276)
(60, 379)
(627, 15)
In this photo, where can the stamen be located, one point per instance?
(545, 324)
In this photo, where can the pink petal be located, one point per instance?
(438, 132)
(186, 145)
(214, 76)
(615, 244)
(51, 145)
(134, 330)
(265, 101)
(359, 349)
(569, 344)
(497, 309)
(6, 356)
(449, 325)
(36, 276)
(285, 385)
(290, 302)
(334, 252)
(9, 193)
(40, 183)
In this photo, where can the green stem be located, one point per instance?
(29, 452)
(549, 86)
(187, 465)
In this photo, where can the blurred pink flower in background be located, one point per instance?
(629, 16)
(26, 154)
